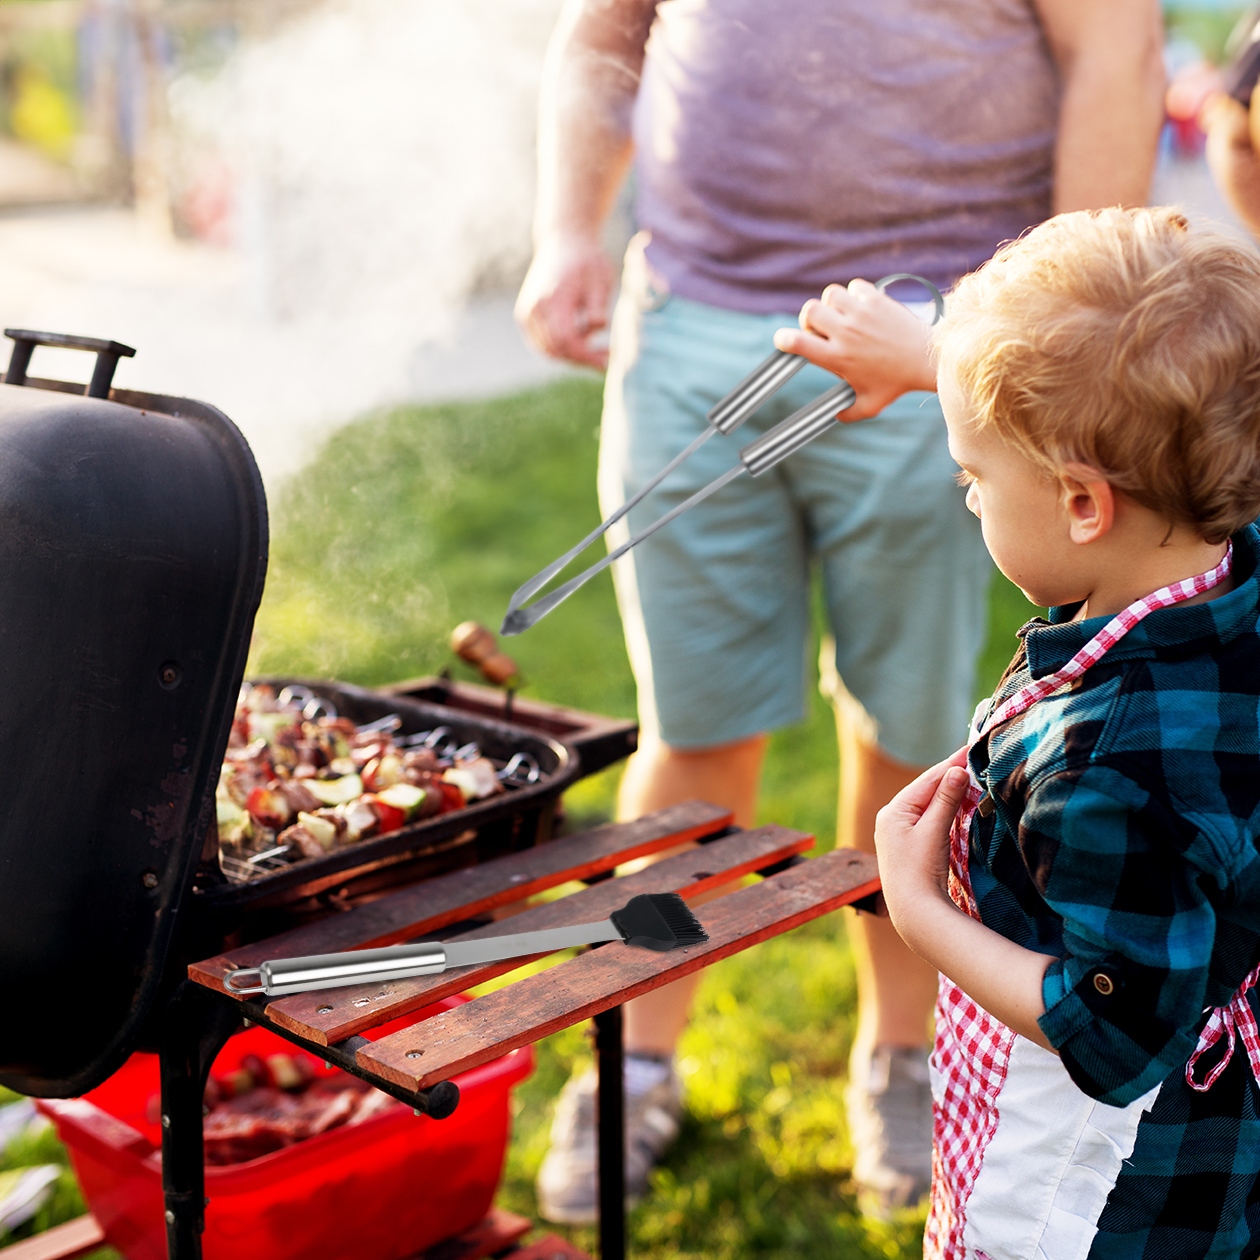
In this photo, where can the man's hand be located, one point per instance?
(590, 81)
(1232, 132)
(878, 345)
(564, 300)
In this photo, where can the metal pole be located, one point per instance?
(611, 1160)
(194, 1031)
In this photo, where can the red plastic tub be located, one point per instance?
(380, 1190)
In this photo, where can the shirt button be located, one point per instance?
(1104, 983)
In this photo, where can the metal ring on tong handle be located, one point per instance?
(758, 457)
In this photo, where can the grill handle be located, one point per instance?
(107, 355)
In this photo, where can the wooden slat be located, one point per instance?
(331, 1015)
(62, 1242)
(481, 1030)
(431, 905)
(489, 1237)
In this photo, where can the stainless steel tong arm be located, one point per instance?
(758, 457)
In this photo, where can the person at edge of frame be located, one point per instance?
(1233, 154)
(778, 149)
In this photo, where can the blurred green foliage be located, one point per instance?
(40, 1146)
(1206, 26)
(39, 89)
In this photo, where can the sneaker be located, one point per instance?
(889, 1102)
(567, 1186)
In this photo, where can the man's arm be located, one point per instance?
(589, 85)
(1109, 54)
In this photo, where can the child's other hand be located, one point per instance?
(878, 345)
(912, 841)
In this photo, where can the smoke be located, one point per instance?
(383, 152)
(365, 168)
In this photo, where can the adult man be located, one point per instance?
(781, 147)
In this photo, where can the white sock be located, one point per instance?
(643, 1072)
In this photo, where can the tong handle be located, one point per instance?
(107, 355)
(799, 429)
(815, 418)
(769, 376)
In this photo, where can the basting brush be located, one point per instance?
(657, 921)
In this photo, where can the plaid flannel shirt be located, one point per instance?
(1119, 834)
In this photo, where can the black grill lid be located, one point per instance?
(133, 548)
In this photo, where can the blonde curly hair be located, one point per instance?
(1126, 340)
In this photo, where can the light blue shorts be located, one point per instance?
(716, 607)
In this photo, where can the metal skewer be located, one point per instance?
(758, 457)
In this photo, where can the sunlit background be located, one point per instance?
(299, 209)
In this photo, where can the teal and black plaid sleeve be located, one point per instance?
(1126, 996)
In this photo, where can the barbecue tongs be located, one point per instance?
(657, 921)
(759, 456)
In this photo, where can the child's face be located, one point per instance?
(1021, 507)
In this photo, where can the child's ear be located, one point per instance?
(1088, 501)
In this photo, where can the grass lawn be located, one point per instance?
(413, 520)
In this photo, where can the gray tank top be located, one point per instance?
(783, 145)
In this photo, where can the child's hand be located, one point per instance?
(878, 345)
(912, 842)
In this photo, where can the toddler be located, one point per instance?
(1085, 875)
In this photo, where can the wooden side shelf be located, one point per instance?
(701, 851)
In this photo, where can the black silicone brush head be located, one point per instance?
(659, 921)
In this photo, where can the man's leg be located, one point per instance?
(889, 1099)
(716, 616)
(905, 575)
(896, 988)
(657, 776)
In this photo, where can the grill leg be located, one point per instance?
(195, 1027)
(611, 1161)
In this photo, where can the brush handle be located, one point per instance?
(423, 958)
(283, 976)
(521, 944)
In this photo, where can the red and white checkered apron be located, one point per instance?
(973, 1049)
